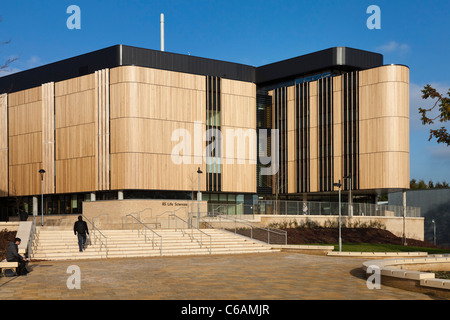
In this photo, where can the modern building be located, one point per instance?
(126, 123)
(434, 205)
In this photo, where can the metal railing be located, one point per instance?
(144, 231)
(31, 238)
(94, 219)
(98, 235)
(162, 214)
(192, 232)
(285, 207)
(250, 226)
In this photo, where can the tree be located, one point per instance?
(414, 185)
(422, 185)
(443, 103)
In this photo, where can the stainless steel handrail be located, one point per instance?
(31, 238)
(165, 212)
(97, 217)
(145, 231)
(95, 229)
(192, 234)
(268, 229)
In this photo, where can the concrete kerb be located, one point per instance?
(404, 273)
(307, 249)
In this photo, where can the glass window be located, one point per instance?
(223, 197)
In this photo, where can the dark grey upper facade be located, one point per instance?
(337, 58)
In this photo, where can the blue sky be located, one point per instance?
(414, 33)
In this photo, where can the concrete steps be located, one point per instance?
(55, 244)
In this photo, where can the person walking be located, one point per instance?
(305, 209)
(23, 215)
(12, 255)
(81, 228)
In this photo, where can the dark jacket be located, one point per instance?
(23, 215)
(80, 227)
(12, 253)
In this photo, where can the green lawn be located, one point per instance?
(370, 247)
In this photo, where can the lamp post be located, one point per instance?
(434, 231)
(350, 200)
(338, 184)
(199, 172)
(42, 171)
(404, 218)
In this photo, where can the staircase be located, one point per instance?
(56, 244)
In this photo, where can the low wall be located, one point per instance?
(412, 274)
(414, 226)
(9, 226)
(109, 213)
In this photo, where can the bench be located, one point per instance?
(8, 265)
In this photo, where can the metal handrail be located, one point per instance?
(95, 229)
(104, 214)
(145, 231)
(161, 214)
(192, 234)
(31, 238)
(268, 229)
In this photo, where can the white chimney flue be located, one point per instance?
(162, 31)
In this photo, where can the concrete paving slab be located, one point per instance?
(277, 276)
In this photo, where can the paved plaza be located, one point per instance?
(268, 276)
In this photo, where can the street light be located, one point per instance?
(199, 172)
(340, 237)
(42, 171)
(350, 201)
(434, 231)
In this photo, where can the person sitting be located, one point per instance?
(12, 255)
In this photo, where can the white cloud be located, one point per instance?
(33, 62)
(440, 152)
(394, 47)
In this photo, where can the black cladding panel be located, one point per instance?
(186, 63)
(346, 59)
(337, 57)
(121, 55)
(61, 70)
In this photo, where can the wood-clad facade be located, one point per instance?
(133, 120)
(113, 130)
(353, 125)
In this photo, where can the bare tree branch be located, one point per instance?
(10, 60)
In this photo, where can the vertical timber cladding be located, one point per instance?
(213, 127)
(302, 141)
(25, 141)
(4, 145)
(325, 134)
(75, 134)
(350, 122)
(102, 129)
(280, 123)
(48, 136)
